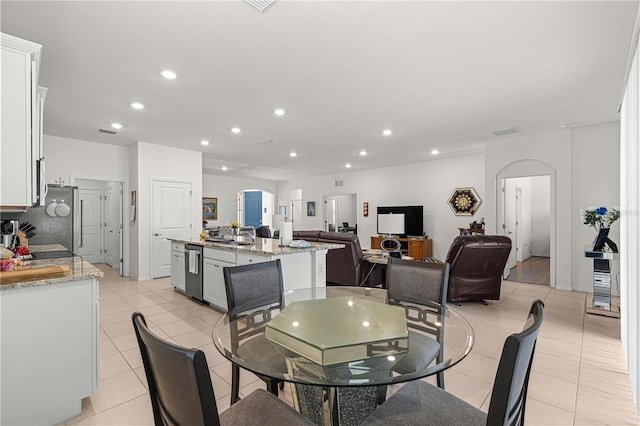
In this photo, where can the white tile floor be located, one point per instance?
(578, 373)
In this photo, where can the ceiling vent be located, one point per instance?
(107, 131)
(261, 5)
(505, 132)
(266, 141)
(339, 182)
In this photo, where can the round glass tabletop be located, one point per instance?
(345, 336)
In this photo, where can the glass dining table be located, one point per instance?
(341, 346)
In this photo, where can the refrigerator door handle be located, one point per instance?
(81, 223)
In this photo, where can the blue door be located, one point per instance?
(253, 209)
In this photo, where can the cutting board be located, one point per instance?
(34, 274)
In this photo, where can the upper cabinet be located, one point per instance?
(22, 106)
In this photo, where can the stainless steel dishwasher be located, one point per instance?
(193, 270)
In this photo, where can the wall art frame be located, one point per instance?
(464, 201)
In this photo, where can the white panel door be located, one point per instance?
(90, 239)
(109, 229)
(296, 214)
(171, 217)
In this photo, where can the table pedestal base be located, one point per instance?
(613, 311)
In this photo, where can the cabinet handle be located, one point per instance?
(81, 223)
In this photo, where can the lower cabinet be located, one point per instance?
(213, 290)
(49, 354)
(177, 270)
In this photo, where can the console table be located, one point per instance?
(417, 248)
(600, 303)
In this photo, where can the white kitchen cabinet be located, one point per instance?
(178, 270)
(49, 352)
(20, 141)
(213, 290)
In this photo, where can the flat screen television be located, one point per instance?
(389, 221)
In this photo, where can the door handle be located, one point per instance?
(157, 235)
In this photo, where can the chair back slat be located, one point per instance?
(507, 406)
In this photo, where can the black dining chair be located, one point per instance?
(421, 288)
(256, 286)
(182, 394)
(420, 403)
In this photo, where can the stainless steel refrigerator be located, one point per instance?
(54, 222)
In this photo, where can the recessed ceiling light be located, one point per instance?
(169, 75)
(205, 143)
(435, 152)
(348, 165)
(279, 111)
(293, 154)
(224, 168)
(235, 129)
(137, 105)
(116, 125)
(363, 152)
(387, 132)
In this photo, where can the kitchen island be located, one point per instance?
(50, 335)
(301, 267)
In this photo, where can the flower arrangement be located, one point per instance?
(234, 225)
(600, 217)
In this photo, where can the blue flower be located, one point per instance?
(601, 211)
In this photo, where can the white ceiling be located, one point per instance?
(439, 74)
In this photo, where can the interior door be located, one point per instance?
(253, 208)
(171, 217)
(296, 214)
(90, 238)
(509, 194)
(331, 218)
(109, 228)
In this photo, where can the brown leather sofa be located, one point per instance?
(477, 264)
(345, 266)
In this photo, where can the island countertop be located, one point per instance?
(80, 268)
(266, 246)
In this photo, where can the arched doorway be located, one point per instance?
(511, 181)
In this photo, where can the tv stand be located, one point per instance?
(418, 248)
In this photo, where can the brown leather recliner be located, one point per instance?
(477, 264)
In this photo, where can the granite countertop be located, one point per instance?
(266, 246)
(80, 268)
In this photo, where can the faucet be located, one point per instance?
(248, 234)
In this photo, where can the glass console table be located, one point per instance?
(601, 303)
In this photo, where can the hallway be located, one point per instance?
(534, 270)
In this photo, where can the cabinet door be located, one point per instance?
(16, 128)
(213, 290)
(416, 249)
(177, 270)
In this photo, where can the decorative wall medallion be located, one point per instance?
(464, 201)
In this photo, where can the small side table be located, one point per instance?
(600, 302)
(471, 231)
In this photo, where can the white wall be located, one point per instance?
(162, 162)
(226, 189)
(429, 183)
(630, 221)
(595, 153)
(540, 216)
(72, 159)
